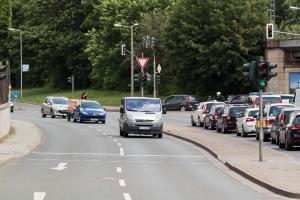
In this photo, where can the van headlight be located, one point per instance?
(158, 118)
(129, 117)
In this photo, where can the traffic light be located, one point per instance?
(157, 78)
(262, 74)
(70, 79)
(269, 31)
(136, 77)
(143, 79)
(123, 49)
(2, 71)
(271, 74)
(250, 70)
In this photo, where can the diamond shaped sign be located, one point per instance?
(142, 62)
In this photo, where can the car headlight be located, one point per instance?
(85, 113)
(129, 117)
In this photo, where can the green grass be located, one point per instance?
(106, 98)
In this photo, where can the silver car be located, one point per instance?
(55, 106)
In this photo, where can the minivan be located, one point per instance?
(141, 115)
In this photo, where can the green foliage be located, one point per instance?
(5, 23)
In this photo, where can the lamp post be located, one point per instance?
(21, 58)
(131, 54)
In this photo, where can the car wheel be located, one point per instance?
(192, 121)
(121, 132)
(160, 135)
(287, 146)
(244, 134)
(103, 121)
(52, 114)
(125, 134)
(182, 108)
(237, 131)
(43, 114)
(11, 109)
(69, 116)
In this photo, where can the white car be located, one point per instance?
(55, 106)
(197, 116)
(287, 98)
(246, 123)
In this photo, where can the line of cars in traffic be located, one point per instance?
(78, 110)
(281, 118)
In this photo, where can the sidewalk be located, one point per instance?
(26, 138)
(279, 172)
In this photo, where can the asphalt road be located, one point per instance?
(90, 161)
(183, 119)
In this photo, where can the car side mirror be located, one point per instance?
(122, 110)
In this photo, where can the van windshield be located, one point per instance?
(143, 105)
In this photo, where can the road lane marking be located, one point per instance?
(119, 170)
(168, 156)
(105, 134)
(39, 195)
(50, 159)
(91, 160)
(109, 136)
(127, 196)
(115, 140)
(75, 153)
(119, 144)
(60, 166)
(90, 126)
(121, 152)
(122, 182)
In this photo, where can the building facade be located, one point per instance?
(286, 54)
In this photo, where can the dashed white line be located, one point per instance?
(91, 160)
(115, 140)
(119, 170)
(127, 196)
(119, 144)
(122, 182)
(121, 152)
(108, 136)
(39, 195)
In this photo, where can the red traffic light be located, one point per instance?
(262, 70)
(269, 31)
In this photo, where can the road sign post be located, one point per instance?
(142, 63)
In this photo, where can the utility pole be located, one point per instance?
(73, 85)
(132, 67)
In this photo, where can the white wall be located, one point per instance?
(4, 120)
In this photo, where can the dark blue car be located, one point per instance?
(89, 111)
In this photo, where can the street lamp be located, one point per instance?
(132, 53)
(21, 57)
(294, 8)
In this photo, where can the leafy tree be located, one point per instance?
(5, 23)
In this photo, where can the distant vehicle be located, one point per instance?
(269, 114)
(289, 134)
(197, 116)
(72, 104)
(180, 102)
(55, 106)
(245, 123)
(89, 111)
(297, 97)
(227, 118)
(211, 118)
(11, 106)
(267, 99)
(239, 99)
(141, 115)
(280, 121)
(287, 98)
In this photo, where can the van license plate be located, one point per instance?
(144, 128)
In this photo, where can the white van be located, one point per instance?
(141, 115)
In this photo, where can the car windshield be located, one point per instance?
(269, 100)
(275, 110)
(91, 105)
(253, 113)
(61, 101)
(143, 105)
(237, 111)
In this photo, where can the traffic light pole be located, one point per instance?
(73, 85)
(142, 85)
(154, 74)
(260, 125)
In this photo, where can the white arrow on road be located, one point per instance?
(39, 195)
(60, 166)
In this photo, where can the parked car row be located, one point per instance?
(76, 109)
(280, 125)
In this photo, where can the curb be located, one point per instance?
(32, 146)
(265, 185)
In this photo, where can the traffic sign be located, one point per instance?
(25, 68)
(158, 68)
(14, 95)
(142, 62)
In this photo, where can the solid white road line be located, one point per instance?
(39, 195)
(119, 144)
(60, 166)
(121, 152)
(119, 170)
(127, 196)
(122, 182)
(115, 140)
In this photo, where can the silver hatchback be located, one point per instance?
(55, 106)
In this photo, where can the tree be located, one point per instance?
(5, 23)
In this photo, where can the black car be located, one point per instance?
(226, 119)
(180, 102)
(211, 118)
(281, 120)
(289, 134)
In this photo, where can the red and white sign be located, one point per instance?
(142, 62)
